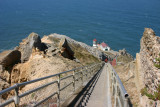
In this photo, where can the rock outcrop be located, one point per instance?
(35, 58)
(145, 73)
(66, 51)
(142, 72)
(3, 84)
(95, 52)
(62, 45)
(150, 49)
(32, 41)
(9, 58)
(124, 57)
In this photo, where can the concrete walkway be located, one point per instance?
(100, 96)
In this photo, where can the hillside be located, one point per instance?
(36, 57)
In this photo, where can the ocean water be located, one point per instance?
(119, 23)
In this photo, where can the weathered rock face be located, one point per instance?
(95, 52)
(32, 41)
(150, 49)
(66, 51)
(19, 73)
(8, 58)
(3, 84)
(124, 57)
(61, 45)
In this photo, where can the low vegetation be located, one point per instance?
(155, 96)
(124, 59)
(157, 63)
(83, 55)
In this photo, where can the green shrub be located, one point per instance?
(155, 96)
(157, 64)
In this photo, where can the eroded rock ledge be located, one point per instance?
(36, 57)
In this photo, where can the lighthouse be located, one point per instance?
(94, 43)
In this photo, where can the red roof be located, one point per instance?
(104, 45)
(94, 39)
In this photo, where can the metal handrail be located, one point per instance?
(16, 98)
(121, 84)
(36, 80)
(118, 91)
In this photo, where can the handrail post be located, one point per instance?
(115, 94)
(16, 98)
(126, 102)
(74, 80)
(58, 91)
(82, 76)
(88, 70)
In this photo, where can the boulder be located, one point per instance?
(65, 49)
(123, 52)
(32, 41)
(9, 58)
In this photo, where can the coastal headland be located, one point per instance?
(37, 57)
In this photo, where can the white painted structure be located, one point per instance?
(104, 47)
(95, 43)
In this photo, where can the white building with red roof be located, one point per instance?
(104, 47)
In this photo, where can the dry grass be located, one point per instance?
(129, 84)
(83, 55)
(124, 59)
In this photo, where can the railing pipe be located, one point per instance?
(118, 89)
(45, 99)
(36, 80)
(66, 77)
(31, 91)
(121, 85)
(16, 99)
(7, 102)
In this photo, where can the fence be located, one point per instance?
(119, 94)
(82, 74)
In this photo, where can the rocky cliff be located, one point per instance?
(146, 73)
(141, 77)
(36, 57)
(149, 75)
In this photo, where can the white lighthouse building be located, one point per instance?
(95, 43)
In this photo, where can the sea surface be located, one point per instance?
(119, 23)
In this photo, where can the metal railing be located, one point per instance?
(119, 93)
(83, 72)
